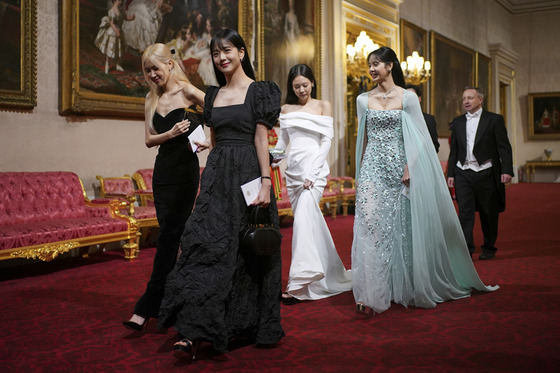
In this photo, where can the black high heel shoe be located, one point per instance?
(185, 349)
(135, 326)
(362, 308)
(289, 300)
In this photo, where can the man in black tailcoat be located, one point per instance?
(480, 164)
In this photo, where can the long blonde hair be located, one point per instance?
(161, 53)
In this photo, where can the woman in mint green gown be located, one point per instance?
(408, 244)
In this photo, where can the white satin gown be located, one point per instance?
(316, 270)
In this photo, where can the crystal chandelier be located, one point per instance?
(356, 56)
(415, 70)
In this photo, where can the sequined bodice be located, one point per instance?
(384, 155)
(382, 250)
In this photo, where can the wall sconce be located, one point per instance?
(415, 70)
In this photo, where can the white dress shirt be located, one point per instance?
(471, 162)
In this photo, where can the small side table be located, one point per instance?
(531, 165)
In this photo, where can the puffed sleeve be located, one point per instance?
(266, 103)
(209, 97)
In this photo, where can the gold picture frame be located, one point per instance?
(18, 65)
(453, 68)
(544, 116)
(87, 88)
(414, 38)
(287, 37)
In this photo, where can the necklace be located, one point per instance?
(384, 95)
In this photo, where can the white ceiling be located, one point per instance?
(529, 6)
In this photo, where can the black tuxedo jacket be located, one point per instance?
(432, 128)
(491, 142)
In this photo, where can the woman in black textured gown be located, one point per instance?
(219, 291)
(170, 118)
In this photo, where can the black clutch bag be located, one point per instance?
(260, 236)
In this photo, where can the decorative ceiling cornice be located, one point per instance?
(529, 6)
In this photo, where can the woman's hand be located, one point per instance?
(201, 146)
(179, 128)
(263, 198)
(406, 177)
(308, 184)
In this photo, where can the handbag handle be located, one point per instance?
(259, 217)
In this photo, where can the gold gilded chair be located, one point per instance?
(347, 192)
(143, 180)
(331, 194)
(283, 202)
(122, 188)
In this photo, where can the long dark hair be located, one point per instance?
(387, 55)
(299, 70)
(236, 40)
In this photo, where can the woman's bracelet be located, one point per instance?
(266, 177)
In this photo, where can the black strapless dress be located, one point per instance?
(175, 185)
(217, 290)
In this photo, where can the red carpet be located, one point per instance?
(64, 316)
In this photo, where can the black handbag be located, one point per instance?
(260, 236)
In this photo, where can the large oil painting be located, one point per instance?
(103, 41)
(414, 38)
(18, 46)
(544, 116)
(453, 68)
(290, 34)
(483, 79)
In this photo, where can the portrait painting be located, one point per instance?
(290, 35)
(544, 116)
(105, 56)
(414, 38)
(483, 79)
(453, 69)
(18, 43)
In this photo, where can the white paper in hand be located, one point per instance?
(251, 190)
(405, 191)
(198, 136)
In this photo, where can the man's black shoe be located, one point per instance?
(486, 256)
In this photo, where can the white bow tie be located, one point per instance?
(471, 116)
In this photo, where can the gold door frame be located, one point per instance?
(382, 32)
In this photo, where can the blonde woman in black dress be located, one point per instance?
(170, 118)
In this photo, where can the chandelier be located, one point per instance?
(415, 70)
(356, 55)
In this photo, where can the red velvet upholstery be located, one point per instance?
(119, 186)
(50, 207)
(43, 232)
(147, 175)
(122, 188)
(143, 179)
(27, 197)
(144, 212)
(329, 200)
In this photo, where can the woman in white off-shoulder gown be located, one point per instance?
(316, 270)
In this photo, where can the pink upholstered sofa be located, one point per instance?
(44, 214)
